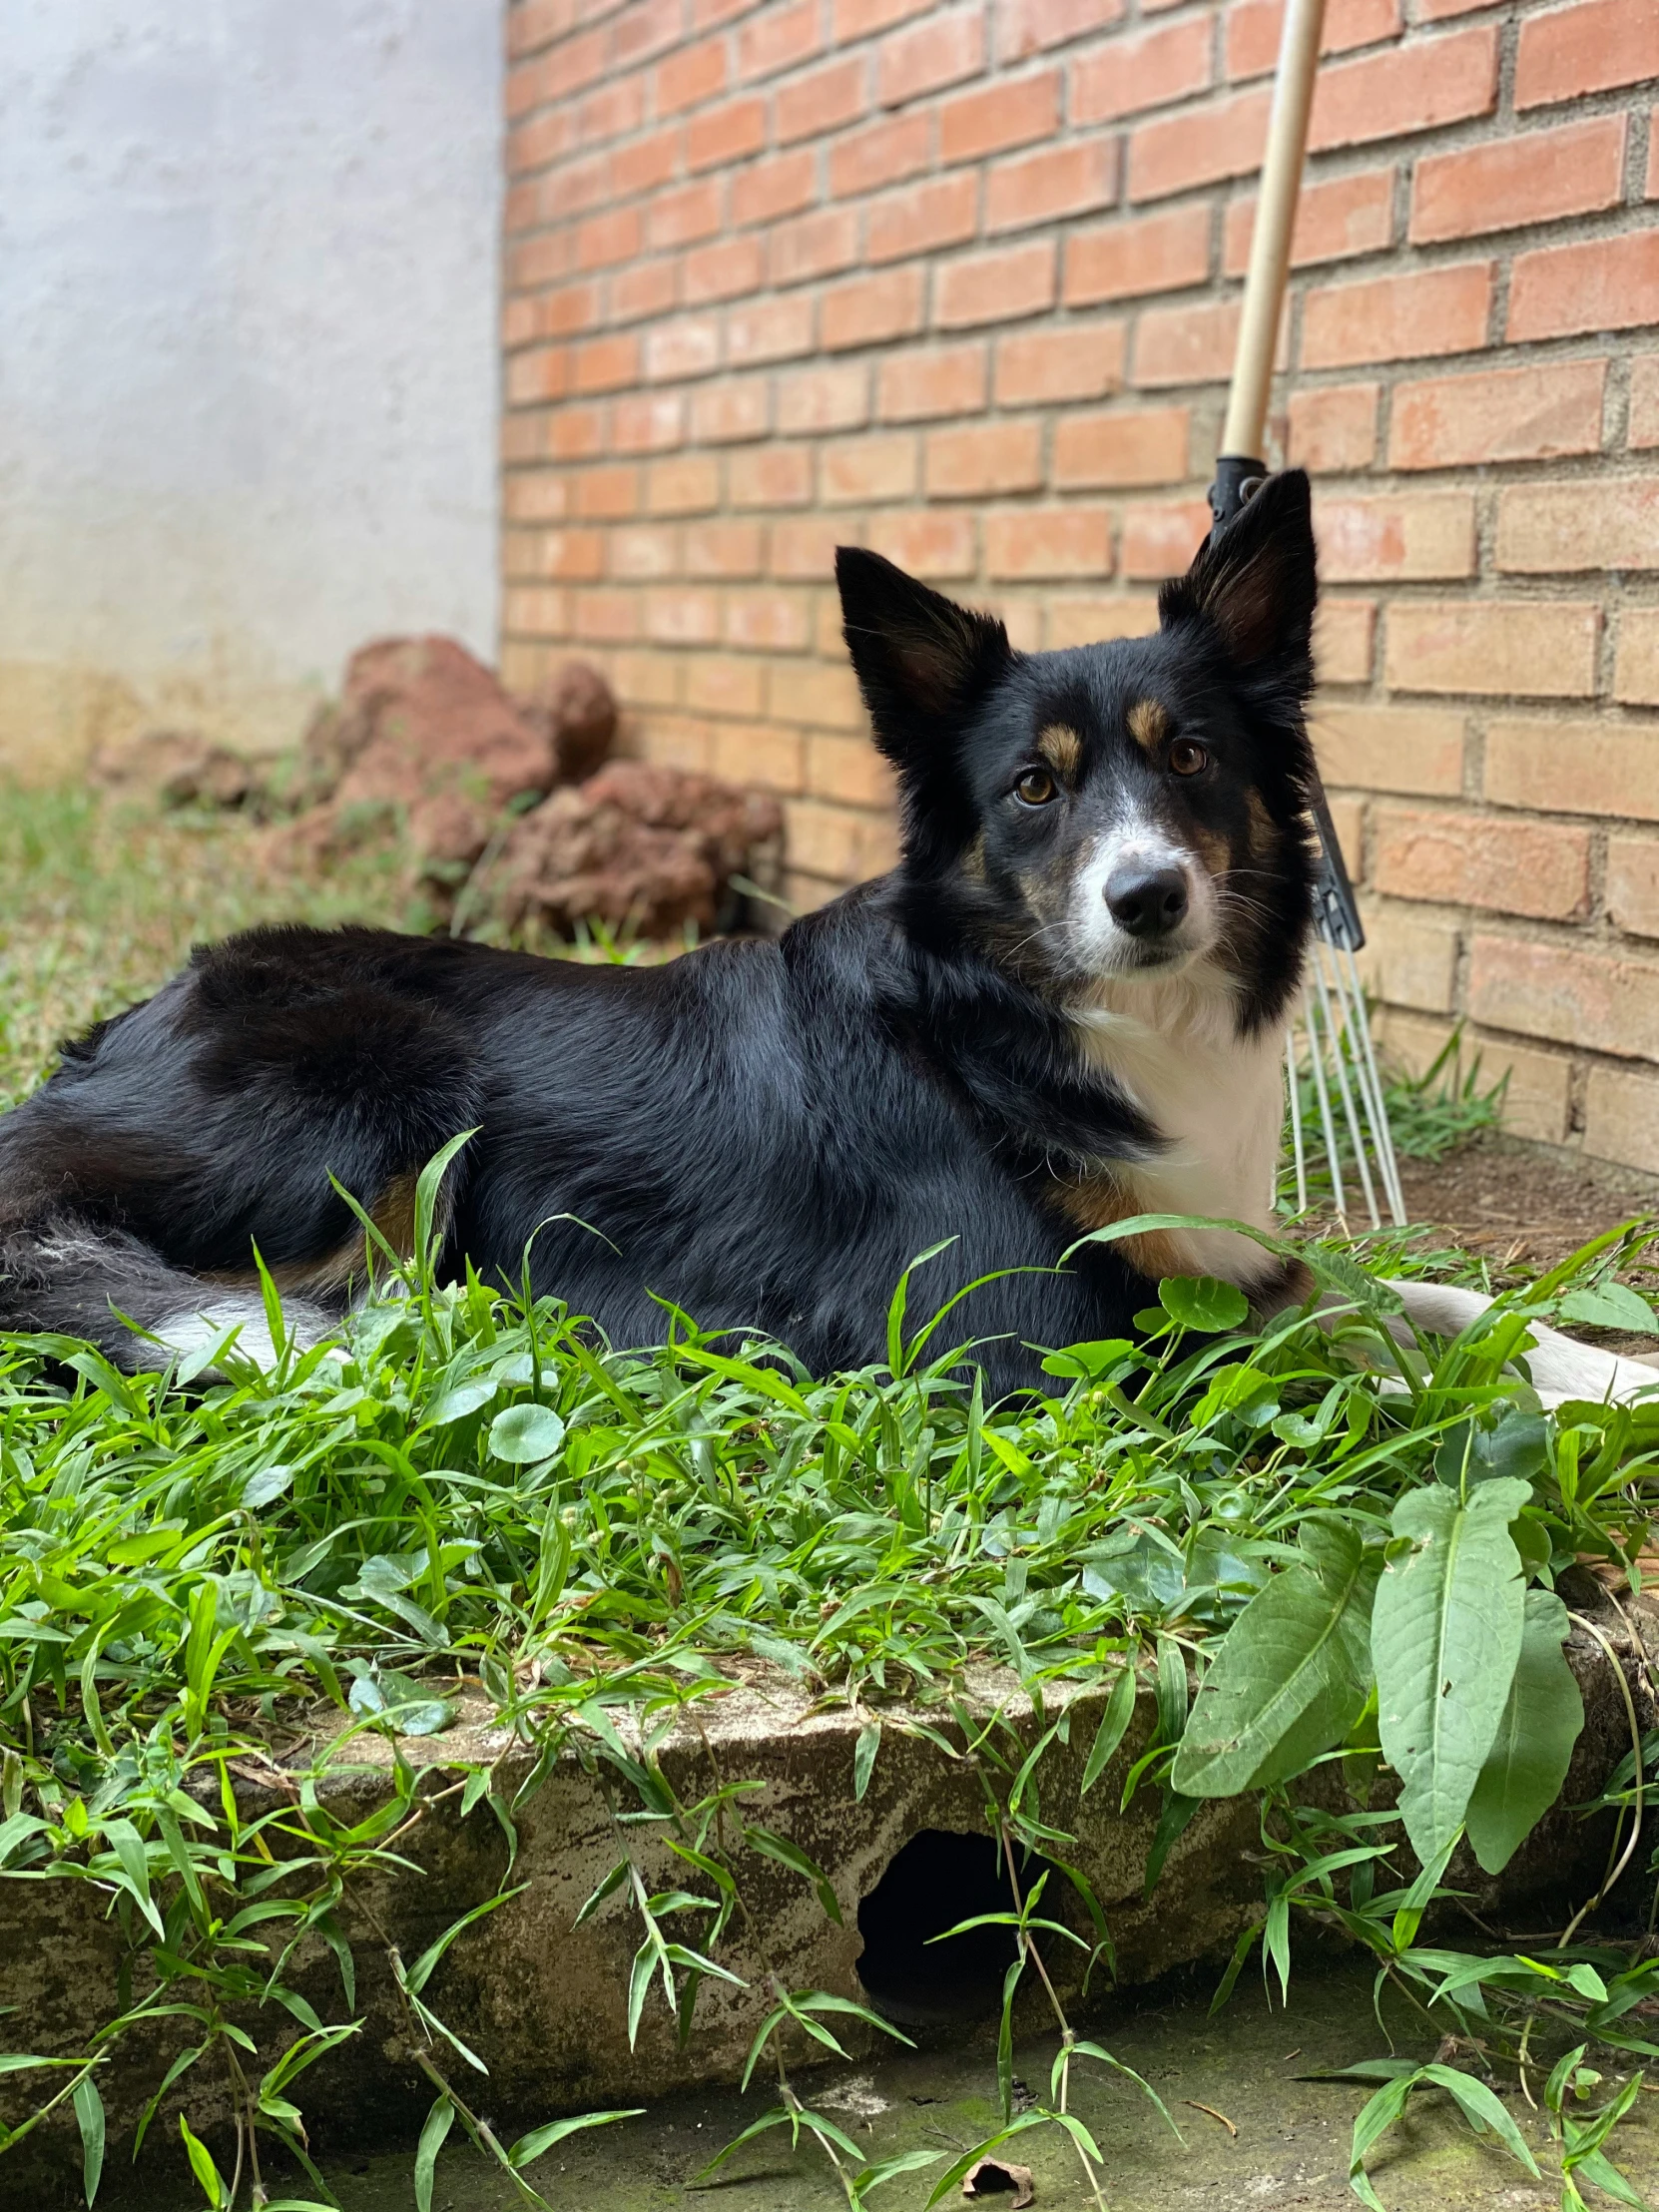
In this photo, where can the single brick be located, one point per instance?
(726, 270)
(1185, 345)
(802, 547)
(1089, 619)
(1335, 216)
(1636, 677)
(1161, 540)
(728, 413)
(818, 695)
(979, 458)
(822, 100)
(779, 38)
(1033, 26)
(1569, 993)
(854, 471)
(770, 475)
(605, 238)
(721, 135)
(1571, 51)
(769, 189)
(835, 396)
(644, 554)
(1029, 545)
(1055, 181)
(919, 388)
(871, 309)
(835, 842)
(856, 19)
(1633, 885)
(647, 421)
(1199, 146)
(1594, 285)
(606, 494)
(678, 615)
(603, 617)
(881, 154)
(645, 163)
(1506, 182)
(760, 757)
(643, 289)
(1254, 28)
(725, 684)
(1504, 414)
(997, 120)
(1574, 768)
(1138, 255)
(770, 331)
(995, 287)
(1393, 319)
(1345, 640)
(689, 348)
(1540, 649)
(723, 549)
(1168, 63)
(1644, 400)
(768, 620)
(1144, 445)
(1417, 749)
(1394, 539)
(691, 76)
(941, 50)
(1419, 87)
(934, 543)
(1332, 428)
(1621, 1117)
(848, 769)
(1556, 529)
(651, 27)
(923, 218)
(1408, 959)
(606, 364)
(1042, 365)
(812, 245)
(1470, 859)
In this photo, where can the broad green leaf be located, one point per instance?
(539, 2140)
(463, 1398)
(89, 2115)
(1446, 1635)
(1114, 1723)
(1203, 1302)
(208, 2176)
(1610, 1306)
(1292, 1674)
(522, 1434)
(1541, 1722)
(866, 1745)
(439, 2121)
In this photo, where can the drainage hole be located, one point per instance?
(933, 1883)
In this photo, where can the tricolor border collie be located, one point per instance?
(1066, 1006)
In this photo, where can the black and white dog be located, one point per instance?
(1066, 1006)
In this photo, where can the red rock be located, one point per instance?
(174, 768)
(576, 712)
(427, 730)
(639, 845)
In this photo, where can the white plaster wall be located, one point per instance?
(247, 354)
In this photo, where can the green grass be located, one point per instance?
(474, 1492)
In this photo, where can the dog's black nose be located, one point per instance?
(1146, 901)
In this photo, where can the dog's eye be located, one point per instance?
(1036, 788)
(1187, 757)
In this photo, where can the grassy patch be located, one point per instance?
(473, 1493)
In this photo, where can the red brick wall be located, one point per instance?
(961, 284)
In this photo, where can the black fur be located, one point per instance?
(763, 1134)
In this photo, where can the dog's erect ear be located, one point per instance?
(1254, 583)
(921, 660)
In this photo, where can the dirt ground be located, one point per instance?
(1523, 1206)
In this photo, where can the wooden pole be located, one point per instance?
(1270, 246)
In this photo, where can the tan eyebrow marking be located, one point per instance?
(1148, 724)
(1062, 748)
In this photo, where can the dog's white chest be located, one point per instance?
(1216, 1100)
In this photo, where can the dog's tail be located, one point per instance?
(65, 1277)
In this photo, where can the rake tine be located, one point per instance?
(1299, 1150)
(1371, 1085)
(1327, 1123)
(1340, 1061)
